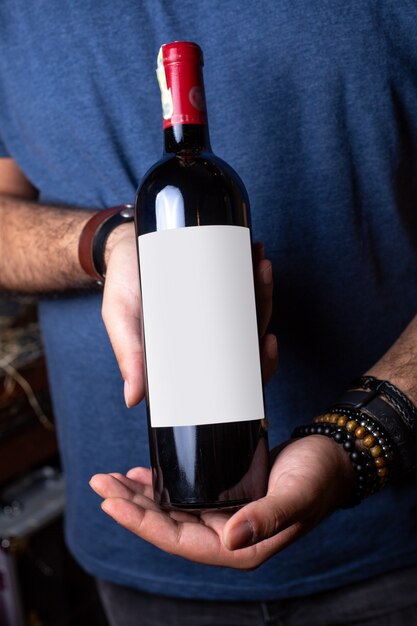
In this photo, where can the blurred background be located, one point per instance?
(40, 583)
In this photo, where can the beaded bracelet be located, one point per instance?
(365, 476)
(369, 436)
(370, 449)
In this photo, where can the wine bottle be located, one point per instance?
(206, 418)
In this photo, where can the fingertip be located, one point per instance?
(141, 474)
(95, 481)
(132, 392)
(269, 356)
(127, 394)
(266, 272)
(107, 506)
(271, 345)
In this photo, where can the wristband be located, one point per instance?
(94, 235)
(376, 406)
(403, 405)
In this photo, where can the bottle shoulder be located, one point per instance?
(205, 168)
(198, 189)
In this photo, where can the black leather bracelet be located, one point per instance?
(101, 235)
(94, 235)
(403, 405)
(378, 409)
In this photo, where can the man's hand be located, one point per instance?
(121, 310)
(54, 266)
(310, 478)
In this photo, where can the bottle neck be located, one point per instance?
(187, 139)
(180, 77)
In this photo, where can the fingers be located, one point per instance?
(269, 356)
(258, 253)
(194, 537)
(117, 485)
(184, 538)
(263, 286)
(264, 291)
(121, 316)
(140, 474)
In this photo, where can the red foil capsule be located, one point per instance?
(181, 82)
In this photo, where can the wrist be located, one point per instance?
(116, 237)
(343, 471)
(93, 241)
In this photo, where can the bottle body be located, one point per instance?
(206, 420)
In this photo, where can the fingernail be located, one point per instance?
(272, 347)
(241, 536)
(105, 506)
(267, 275)
(127, 394)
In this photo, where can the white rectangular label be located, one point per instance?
(201, 335)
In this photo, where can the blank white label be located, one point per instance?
(201, 337)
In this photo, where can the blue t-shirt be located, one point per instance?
(314, 103)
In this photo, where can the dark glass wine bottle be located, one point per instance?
(207, 426)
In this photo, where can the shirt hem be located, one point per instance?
(184, 588)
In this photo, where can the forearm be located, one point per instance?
(39, 246)
(399, 364)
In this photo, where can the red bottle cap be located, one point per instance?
(182, 51)
(180, 79)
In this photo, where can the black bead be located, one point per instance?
(327, 431)
(348, 445)
(338, 436)
(355, 456)
(319, 430)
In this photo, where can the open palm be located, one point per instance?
(304, 486)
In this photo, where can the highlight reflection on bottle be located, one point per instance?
(204, 391)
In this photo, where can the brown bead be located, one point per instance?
(351, 426)
(333, 418)
(380, 461)
(360, 432)
(383, 471)
(375, 451)
(342, 420)
(369, 441)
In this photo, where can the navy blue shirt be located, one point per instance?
(315, 105)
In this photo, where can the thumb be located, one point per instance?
(266, 517)
(121, 316)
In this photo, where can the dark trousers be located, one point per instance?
(388, 600)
